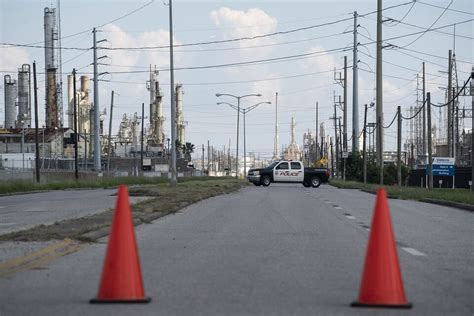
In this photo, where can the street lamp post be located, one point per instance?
(238, 117)
(244, 111)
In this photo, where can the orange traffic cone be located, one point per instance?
(121, 280)
(381, 284)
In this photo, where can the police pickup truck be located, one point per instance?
(288, 172)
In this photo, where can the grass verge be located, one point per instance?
(28, 186)
(165, 200)
(411, 193)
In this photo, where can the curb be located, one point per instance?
(462, 206)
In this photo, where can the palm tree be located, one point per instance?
(188, 149)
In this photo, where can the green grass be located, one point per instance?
(163, 200)
(28, 186)
(411, 193)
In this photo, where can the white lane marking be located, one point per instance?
(338, 207)
(2, 206)
(7, 224)
(350, 216)
(413, 252)
(327, 202)
(367, 229)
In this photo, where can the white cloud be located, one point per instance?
(250, 23)
(244, 24)
(13, 58)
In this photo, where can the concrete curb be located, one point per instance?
(462, 206)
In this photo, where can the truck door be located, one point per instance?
(281, 172)
(296, 171)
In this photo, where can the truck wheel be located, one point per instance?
(266, 181)
(306, 184)
(315, 182)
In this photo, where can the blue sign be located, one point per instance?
(443, 170)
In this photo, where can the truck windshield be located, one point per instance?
(273, 164)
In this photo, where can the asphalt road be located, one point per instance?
(281, 250)
(18, 212)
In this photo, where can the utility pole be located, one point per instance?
(332, 158)
(424, 112)
(97, 164)
(173, 180)
(430, 160)
(141, 137)
(76, 169)
(37, 154)
(202, 161)
(399, 146)
(379, 91)
(316, 138)
(275, 147)
(364, 145)
(341, 151)
(335, 137)
(208, 158)
(344, 134)
(456, 126)
(355, 91)
(229, 164)
(472, 130)
(450, 108)
(340, 140)
(110, 131)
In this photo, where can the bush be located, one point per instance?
(355, 170)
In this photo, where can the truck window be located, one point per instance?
(295, 165)
(283, 165)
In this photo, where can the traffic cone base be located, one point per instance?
(121, 280)
(402, 306)
(138, 301)
(381, 284)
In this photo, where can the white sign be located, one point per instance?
(146, 161)
(443, 161)
(162, 168)
(345, 154)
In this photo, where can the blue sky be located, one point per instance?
(299, 82)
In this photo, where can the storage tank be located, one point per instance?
(24, 97)
(10, 97)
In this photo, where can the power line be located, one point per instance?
(457, 95)
(403, 18)
(439, 17)
(238, 82)
(439, 7)
(396, 114)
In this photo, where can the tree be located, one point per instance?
(187, 149)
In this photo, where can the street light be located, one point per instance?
(244, 111)
(238, 117)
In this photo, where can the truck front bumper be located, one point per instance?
(254, 179)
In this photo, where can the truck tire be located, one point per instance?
(315, 182)
(266, 181)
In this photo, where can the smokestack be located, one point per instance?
(24, 97)
(10, 96)
(180, 126)
(50, 39)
